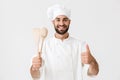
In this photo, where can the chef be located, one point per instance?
(62, 57)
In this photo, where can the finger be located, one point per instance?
(84, 61)
(36, 62)
(36, 65)
(87, 48)
(36, 59)
(34, 68)
(86, 53)
(83, 54)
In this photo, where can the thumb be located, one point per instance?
(87, 48)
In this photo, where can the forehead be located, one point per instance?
(61, 17)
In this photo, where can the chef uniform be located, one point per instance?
(61, 59)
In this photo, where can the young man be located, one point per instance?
(62, 57)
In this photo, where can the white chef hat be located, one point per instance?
(56, 10)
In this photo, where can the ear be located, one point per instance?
(69, 21)
(53, 21)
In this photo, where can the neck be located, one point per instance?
(62, 37)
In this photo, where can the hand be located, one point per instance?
(36, 62)
(86, 56)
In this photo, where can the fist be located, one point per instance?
(86, 56)
(36, 63)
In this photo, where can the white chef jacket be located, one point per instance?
(61, 59)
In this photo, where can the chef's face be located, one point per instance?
(61, 24)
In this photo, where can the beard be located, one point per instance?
(61, 31)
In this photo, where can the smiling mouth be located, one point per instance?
(61, 27)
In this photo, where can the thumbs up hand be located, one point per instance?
(86, 56)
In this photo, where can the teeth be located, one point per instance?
(61, 27)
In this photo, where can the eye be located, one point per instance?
(66, 19)
(57, 19)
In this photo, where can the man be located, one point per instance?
(62, 57)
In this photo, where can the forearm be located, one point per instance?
(93, 68)
(35, 73)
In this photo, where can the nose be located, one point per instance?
(61, 23)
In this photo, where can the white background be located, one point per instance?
(96, 21)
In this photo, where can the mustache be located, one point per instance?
(61, 26)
